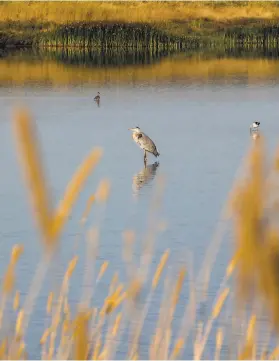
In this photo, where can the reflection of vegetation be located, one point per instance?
(61, 68)
(116, 57)
(246, 51)
(111, 57)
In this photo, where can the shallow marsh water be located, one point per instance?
(197, 110)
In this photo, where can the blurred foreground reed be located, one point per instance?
(92, 332)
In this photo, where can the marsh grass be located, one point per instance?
(97, 332)
(138, 24)
(107, 36)
(64, 12)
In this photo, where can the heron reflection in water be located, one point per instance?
(255, 136)
(145, 176)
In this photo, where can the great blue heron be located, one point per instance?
(254, 126)
(144, 142)
(97, 98)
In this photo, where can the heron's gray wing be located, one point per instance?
(146, 143)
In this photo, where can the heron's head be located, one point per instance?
(135, 130)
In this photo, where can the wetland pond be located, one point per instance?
(196, 107)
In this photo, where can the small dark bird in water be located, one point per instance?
(144, 142)
(254, 126)
(97, 98)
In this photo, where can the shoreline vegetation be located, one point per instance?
(156, 25)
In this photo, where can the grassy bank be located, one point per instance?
(64, 12)
(141, 24)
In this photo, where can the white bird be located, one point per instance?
(144, 142)
(254, 126)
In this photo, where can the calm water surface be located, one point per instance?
(200, 125)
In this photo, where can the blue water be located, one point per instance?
(202, 133)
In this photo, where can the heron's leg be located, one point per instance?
(145, 156)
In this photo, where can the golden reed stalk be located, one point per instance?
(50, 221)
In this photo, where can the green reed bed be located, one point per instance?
(266, 36)
(187, 35)
(172, 35)
(104, 36)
